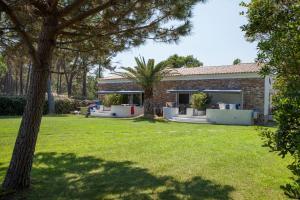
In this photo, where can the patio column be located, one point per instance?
(141, 99)
(242, 100)
(131, 99)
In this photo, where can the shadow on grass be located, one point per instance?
(143, 119)
(10, 116)
(57, 115)
(2, 169)
(20, 116)
(66, 176)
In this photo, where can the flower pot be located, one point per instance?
(199, 112)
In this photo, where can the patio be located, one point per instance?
(131, 107)
(226, 108)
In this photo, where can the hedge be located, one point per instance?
(14, 105)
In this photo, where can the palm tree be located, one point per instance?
(146, 75)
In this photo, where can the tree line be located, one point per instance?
(73, 74)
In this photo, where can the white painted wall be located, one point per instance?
(190, 112)
(125, 111)
(234, 117)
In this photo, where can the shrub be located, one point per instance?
(12, 105)
(200, 101)
(65, 106)
(112, 99)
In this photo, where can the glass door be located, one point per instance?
(183, 102)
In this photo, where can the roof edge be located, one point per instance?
(193, 77)
(195, 74)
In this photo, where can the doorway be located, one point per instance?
(183, 102)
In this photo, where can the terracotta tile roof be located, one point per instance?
(111, 77)
(208, 70)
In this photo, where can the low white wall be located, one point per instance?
(125, 111)
(190, 112)
(169, 112)
(234, 117)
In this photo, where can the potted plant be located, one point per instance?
(112, 99)
(200, 102)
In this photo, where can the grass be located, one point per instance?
(91, 158)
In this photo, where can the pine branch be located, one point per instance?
(70, 8)
(86, 14)
(41, 6)
(19, 28)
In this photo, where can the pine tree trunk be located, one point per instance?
(16, 83)
(99, 71)
(84, 89)
(21, 78)
(7, 83)
(51, 103)
(18, 173)
(69, 84)
(148, 104)
(62, 66)
(58, 77)
(10, 83)
(59, 87)
(28, 78)
(69, 88)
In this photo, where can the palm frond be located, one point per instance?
(146, 74)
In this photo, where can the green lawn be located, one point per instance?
(91, 158)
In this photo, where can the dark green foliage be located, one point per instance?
(92, 87)
(200, 101)
(12, 105)
(286, 139)
(275, 25)
(117, 26)
(176, 61)
(237, 61)
(65, 106)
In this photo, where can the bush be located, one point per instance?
(65, 106)
(112, 99)
(14, 105)
(200, 101)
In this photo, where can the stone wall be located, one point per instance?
(253, 89)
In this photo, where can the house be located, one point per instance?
(231, 84)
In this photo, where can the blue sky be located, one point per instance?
(216, 38)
